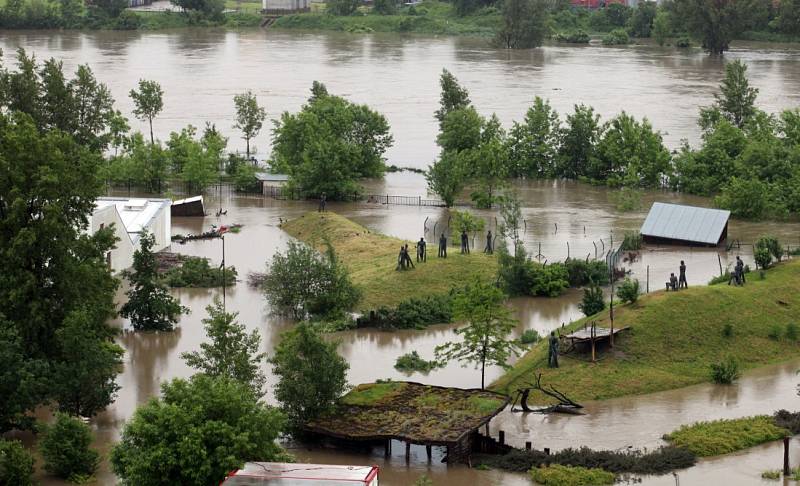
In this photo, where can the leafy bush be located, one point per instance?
(628, 291)
(529, 336)
(575, 37)
(464, 221)
(775, 332)
(792, 332)
(548, 280)
(725, 372)
(658, 461)
(583, 272)
(683, 42)
(632, 242)
(196, 272)
(16, 464)
(593, 301)
(65, 448)
(342, 7)
(412, 361)
(771, 474)
(617, 37)
(727, 330)
(413, 313)
(627, 199)
(787, 420)
(726, 277)
(772, 245)
(762, 257)
(556, 475)
(726, 436)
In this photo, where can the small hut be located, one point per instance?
(685, 225)
(413, 413)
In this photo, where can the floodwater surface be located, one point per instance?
(200, 71)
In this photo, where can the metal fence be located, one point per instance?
(404, 200)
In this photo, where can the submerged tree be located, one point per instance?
(150, 306)
(453, 96)
(533, 144)
(716, 23)
(148, 102)
(736, 101)
(232, 353)
(485, 335)
(525, 24)
(311, 374)
(249, 116)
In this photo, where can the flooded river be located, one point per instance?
(200, 72)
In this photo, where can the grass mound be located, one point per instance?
(557, 475)
(371, 259)
(726, 436)
(675, 337)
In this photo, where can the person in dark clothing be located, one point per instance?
(673, 281)
(407, 257)
(552, 351)
(443, 246)
(489, 249)
(740, 266)
(401, 261)
(322, 202)
(422, 255)
(682, 277)
(464, 242)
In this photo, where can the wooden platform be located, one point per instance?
(585, 334)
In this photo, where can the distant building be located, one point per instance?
(285, 6)
(687, 225)
(270, 184)
(130, 218)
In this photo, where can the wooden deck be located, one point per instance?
(600, 333)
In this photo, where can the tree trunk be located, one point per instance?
(151, 131)
(247, 141)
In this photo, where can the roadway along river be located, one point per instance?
(200, 72)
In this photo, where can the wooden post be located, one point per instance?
(528, 445)
(387, 448)
(719, 260)
(408, 451)
(591, 334)
(648, 280)
(568, 250)
(501, 437)
(428, 451)
(786, 469)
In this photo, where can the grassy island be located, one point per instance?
(371, 259)
(675, 337)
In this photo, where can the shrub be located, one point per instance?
(787, 420)
(762, 257)
(593, 301)
(727, 330)
(16, 464)
(65, 448)
(412, 361)
(557, 475)
(196, 272)
(617, 37)
(529, 336)
(726, 436)
(775, 332)
(683, 42)
(771, 474)
(772, 245)
(521, 276)
(413, 313)
(548, 280)
(628, 291)
(464, 221)
(792, 331)
(725, 372)
(583, 272)
(627, 199)
(632, 242)
(575, 37)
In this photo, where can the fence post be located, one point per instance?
(648, 280)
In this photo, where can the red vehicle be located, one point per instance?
(286, 474)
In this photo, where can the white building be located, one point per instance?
(130, 218)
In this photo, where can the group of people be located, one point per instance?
(737, 277)
(404, 258)
(679, 282)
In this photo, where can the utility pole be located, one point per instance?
(224, 309)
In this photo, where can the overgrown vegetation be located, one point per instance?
(632, 242)
(414, 313)
(65, 448)
(593, 301)
(628, 291)
(726, 436)
(529, 336)
(557, 475)
(653, 357)
(197, 272)
(726, 371)
(411, 362)
(16, 463)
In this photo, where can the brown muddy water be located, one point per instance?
(151, 359)
(200, 72)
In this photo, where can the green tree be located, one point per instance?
(533, 144)
(489, 164)
(303, 282)
(22, 383)
(453, 96)
(342, 7)
(385, 7)
(148, 102)
(715, 23)
(231, 353)
(249, 116)
(330, 144)
(578, 140)
(705, 171)
(736, 100)
(461, 130)
(641, 22)
(788, 19)
(661, 27)
(311, 374)
(197, 161)
(485, 335)
(46, 196)
(65, 448)
(745, 198)
(525, 24)
(628, 291)
(198, 431)
(593, 301)
(630, 153)
(16, 463)
(84, 377)
(447, 177)
(150, 307)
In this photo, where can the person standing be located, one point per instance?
(421, 253)
(407, 257)
(682, 277)
(673, 281)
(740, 266)
(322, 203)
(489, 248)
(443, 246)
(464, 242)
(552, 351)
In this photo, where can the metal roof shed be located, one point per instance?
(675, 223)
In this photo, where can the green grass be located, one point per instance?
(371, 259)
(674, 339)
(373, 393)
(432, 18)
(557, 475)
(726, 436)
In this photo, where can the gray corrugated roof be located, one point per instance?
(264, 176)
(685, 223)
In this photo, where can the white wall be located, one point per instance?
(122, 255)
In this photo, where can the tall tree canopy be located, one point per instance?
(148, 102)
(526, 24)
(716, 23)
(249, 116)
(736, 101)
